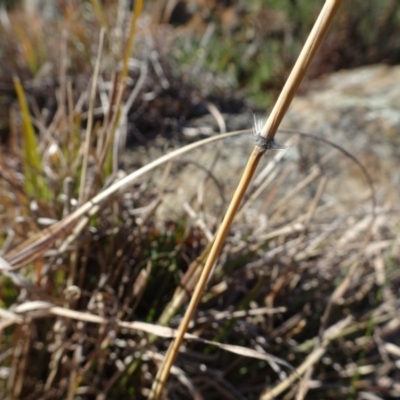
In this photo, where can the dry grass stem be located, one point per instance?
(33, 248)
(42, 309)
(89, 129)
(333, 332)
(307, 54)
(313, 42)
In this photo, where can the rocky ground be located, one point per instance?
(357, 109)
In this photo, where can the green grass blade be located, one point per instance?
(31, 162)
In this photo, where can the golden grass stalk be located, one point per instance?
(264, 141)
(99, 12)
(114, 121)
(29, 50)
(132, 30)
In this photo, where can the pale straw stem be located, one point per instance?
(318, 32)
(311, 46)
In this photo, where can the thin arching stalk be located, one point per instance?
(33, 248)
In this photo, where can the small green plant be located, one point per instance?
(34, 183)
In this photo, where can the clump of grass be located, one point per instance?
(95, 289)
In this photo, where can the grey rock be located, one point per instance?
(357, 109)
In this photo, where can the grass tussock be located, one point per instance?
(93, 286)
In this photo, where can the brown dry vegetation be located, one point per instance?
(91, 282)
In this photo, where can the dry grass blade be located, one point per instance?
(41, 309)
(267, 139)
(132, 31)
(315, 355)
(349, 155)
(89, 128)
(34, 247)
